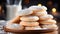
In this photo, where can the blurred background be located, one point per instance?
(8, 8)
(7, 13)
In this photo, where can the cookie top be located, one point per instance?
(24, 12)
(29, 18)
(37, 8)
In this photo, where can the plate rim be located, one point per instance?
(21, 31)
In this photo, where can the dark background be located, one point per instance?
(26, 3)
(53, 3)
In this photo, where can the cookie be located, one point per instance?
(24, 12)
(50, 26)
(29, 23)
(15, 27)
(33, 28)
(48, 22)
(40, 13)
(46, 17)
(29, 18)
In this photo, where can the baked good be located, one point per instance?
(50, 26)
(24, 23)
(24, 12)
(46, 17)
(15, 27)
(33, 28)
(29, 18)
(32, 18)
(40, 13)
(48, 22)
(43, 8)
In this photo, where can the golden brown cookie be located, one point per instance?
(48, 22)
(33, 28)
(29, 23)
(29, 18)
(15, 27)
(46, 17)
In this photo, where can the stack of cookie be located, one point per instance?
(45, 20)
(29, 21)
(33, 18)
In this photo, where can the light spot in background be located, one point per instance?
(39, 4)
(53, 9)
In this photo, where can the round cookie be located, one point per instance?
(40, 8)
(15, 27)
(24, 12)
(48, 22)
(9, 23)
(33, 28)
(50, 26)
(29, 18)
(44, 8)
(23, 23)
(34, 7)
(40, 13)
(46, 17)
